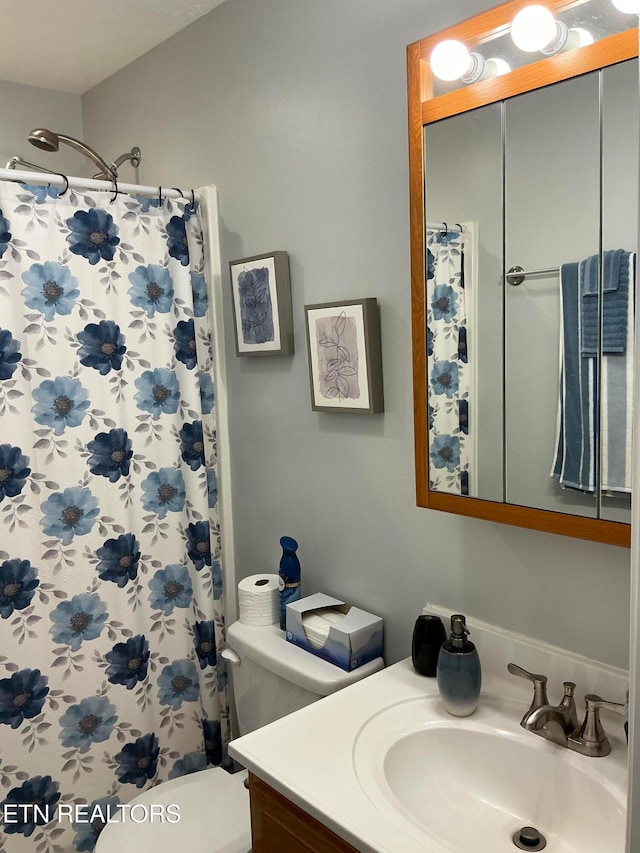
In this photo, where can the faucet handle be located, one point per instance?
(539, 685)
(591, 738)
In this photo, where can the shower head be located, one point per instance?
(47, 140)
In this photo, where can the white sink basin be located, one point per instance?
(467, 784)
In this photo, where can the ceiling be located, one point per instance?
(70, 45)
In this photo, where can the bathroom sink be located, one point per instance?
(463, 784)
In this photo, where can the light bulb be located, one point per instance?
(627, 6)
(534, 28)
(449, 60)
(495, 66)
(578, 37)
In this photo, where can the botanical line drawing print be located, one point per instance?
(337, 344)
(256, 308)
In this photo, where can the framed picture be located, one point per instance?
(345, 356)
(262, 305)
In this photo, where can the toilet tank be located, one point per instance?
(273, 678)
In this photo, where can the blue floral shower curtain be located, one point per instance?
(448, 363)
(110, 585)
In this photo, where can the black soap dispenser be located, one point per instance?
(459, 674)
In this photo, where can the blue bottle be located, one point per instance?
(289, 577)
(459, 674)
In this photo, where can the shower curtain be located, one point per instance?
(448, 391)
(110, 585)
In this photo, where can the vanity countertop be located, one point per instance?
(310, 756)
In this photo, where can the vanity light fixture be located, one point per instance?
(534, 28)
(629, 7)
(495, 66)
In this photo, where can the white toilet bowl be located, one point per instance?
(196, 796)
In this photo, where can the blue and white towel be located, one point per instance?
(615, 298)
(575, 464)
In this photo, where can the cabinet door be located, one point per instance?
(277, 825)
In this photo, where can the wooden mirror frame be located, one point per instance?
(424, 109)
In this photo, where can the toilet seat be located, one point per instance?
(214, 817)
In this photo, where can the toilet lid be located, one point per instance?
(213, 808)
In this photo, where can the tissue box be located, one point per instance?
(353, 641)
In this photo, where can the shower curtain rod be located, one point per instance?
(60, 180)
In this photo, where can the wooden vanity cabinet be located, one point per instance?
(277, 825)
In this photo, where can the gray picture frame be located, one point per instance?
(262, 312)
(344, 352)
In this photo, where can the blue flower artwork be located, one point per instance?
(138, 761)
(207, 393)
(78, 619)
(444, 452)
(178, 683)
(110, 454)
(22, 696)
(93, 235)
(87, 832)
(192, 445)
(177, 243)
(164, 491)
(90, 721)
(51, 289)
(151, 289)
(118, 559)
(14, 470)
(60, 403)
(256, 309)
(444, 378)
(205, 639)
(34, 805)
(170, 587)
(199, 544)
(444, 302)
(128, 662)
(5, 234)
(41, 192)
(69, 513)
(158, 392)
(192, 762)
(102, 346)
(184, 337)
(199, 294)
(212, 741)
(10, 354)
(18, 582)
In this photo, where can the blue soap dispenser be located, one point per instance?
(458, 673)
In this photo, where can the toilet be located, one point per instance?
(271, 678)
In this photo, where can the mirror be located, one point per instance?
(522, 384)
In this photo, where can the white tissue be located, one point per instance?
(259, 600)
(317, 624)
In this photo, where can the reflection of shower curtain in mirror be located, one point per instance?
(448, 362)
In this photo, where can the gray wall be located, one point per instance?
(24, 107)
(296, 110)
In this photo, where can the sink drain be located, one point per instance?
(528, 838)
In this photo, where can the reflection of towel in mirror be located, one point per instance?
(575, 461)
(575, 445)
(615, 289)
(617, 400)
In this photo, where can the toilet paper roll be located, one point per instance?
(259, 600)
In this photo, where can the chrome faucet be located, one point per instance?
(559, 723)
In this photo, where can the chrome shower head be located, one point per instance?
(47, 140)
(44, 139)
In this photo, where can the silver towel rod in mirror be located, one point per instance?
(516, 275)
